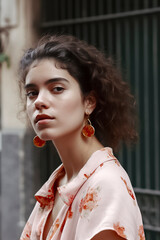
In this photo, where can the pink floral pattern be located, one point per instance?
(27, 234)
(117, 162)
(141, 233)
(119, 229)
(90, 200)
(55, 227)
(68, 215)
(90, 203)
(87, 176)
(128, 189)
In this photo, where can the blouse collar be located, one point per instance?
(68, 191)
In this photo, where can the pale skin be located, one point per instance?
(55, 94)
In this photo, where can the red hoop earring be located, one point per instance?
(38, 142)
(88, 130)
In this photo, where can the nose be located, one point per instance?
(41, 101)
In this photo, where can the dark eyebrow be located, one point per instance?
(52, 80)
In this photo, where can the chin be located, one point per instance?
(44, 136)
(48, 136)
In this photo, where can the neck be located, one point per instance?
(74, 153)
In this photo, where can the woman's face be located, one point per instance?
(55, 105)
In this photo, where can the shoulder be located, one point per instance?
(107, 167)
(107, 202)
(109, 190)
(109, 175)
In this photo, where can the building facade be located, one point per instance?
(19, 21)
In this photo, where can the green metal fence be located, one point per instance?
(129, 31)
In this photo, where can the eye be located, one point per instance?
(31, 94)
(58, 89)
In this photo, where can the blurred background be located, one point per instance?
(127, 30)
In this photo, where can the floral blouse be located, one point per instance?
(99, 198)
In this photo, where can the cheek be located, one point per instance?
(74, 105)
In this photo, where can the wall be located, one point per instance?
(19, 23)
(20, 36)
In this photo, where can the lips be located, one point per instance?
(42, 117)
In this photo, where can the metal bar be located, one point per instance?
(137, 93)
(118, 6)
(62, 9)
(78, 31)
(101, 17)
(100, 7)
(128, 67)
(109, 6)
(101, 31)
(157, 212)
(93, 8)
(100, 26)
(77, 9)
(56, 11)
(155, 3)
(69, 12)
(118, 41)
(145, 3)
(151, 228)
(93, 33)
(121, 156)
(136, 4)
(85, 32)
(147, 191)
(69, 29)
(156, 104)
(84, 9)
(110, 38)
(43, 13)
(146, 105)
(93, 24)
(127, 5)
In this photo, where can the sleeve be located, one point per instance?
(108, 202)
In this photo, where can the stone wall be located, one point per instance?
(10, 186)
(17, 183)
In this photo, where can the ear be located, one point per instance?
(90, 103)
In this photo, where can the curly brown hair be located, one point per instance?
(114, 117)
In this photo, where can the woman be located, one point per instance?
(71, 87)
